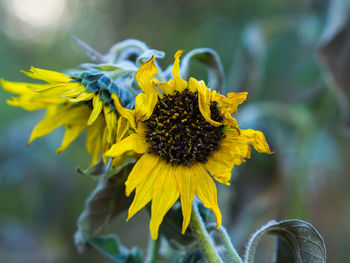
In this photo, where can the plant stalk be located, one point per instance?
(152, 250)
(228, 245)
(204, 240)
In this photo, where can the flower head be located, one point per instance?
(187, 138)
(77, 102)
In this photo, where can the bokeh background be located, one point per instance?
(293, 57)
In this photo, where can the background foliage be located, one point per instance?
(291, 56)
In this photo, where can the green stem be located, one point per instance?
(205, 242)
(152, 250)
(228, 245)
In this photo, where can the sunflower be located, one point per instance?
(187, 138)
(77, 102)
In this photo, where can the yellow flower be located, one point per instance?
(69, 104)
(187, 138)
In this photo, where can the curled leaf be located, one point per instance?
(209, 58)
(147, 55)
(297, 241)
(128, 49)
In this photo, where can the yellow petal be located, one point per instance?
(97, 108)
(207, 193)
(193, 85)
(257, 140)
(144, 105)
(105, 145)
(73, 92)
(94, 139)
(15, 87)
(221, 162)
(72, 89)
(165, 194)
(166, 88)
(144, 190)
(204, 100)
(126, 113)
(232, 151)
(134, 142)
(34, 102)
(63, 116)
(141, 170)
(111, 122)
(49, 87)
(233, 100)
(47, 75)
(187, 182)
(220, 165)
(144, 76)
(72, 132)
(87, 95)
(122, 128)
(180, 84)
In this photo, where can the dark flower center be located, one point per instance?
(178, 132)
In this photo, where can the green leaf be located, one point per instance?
(110, 246)
(297, 242)
(103, 204)
(209, 58)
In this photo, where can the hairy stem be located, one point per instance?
(152, 250)
(228, 245)
(204, 240)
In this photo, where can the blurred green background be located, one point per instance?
(293, 57)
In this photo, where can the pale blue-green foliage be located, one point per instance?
(97, 81)
(115, 71)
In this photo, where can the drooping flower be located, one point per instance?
(77, 102)
(187, 138)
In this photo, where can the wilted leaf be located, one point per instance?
(104, 203)
(126, 50)
(147, 55)
(209, 57)
(335, 49)
(304, 243)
